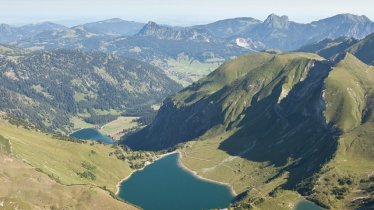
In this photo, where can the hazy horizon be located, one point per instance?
(75, 22)
(173, 12)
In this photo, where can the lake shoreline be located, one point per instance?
(195, 174)
(145, 165)
(180, 164)
(304, 201)
(92, 134)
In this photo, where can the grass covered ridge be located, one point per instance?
(275, 124)
(23, 187)
(63, 159)
(79, 175)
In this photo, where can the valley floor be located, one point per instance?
(207, 161)
(256, 180)
(114, 129)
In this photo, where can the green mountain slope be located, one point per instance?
(223, 96)
(61, 84)
(40, 171)
(347, 179)
(275, 121)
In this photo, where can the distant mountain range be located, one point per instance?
(111, 27)
(230, 27)
(10, 34)
(186, 53)
(166, 33)
(115, 27)
(278, 32)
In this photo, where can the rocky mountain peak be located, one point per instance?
(275, 21)
(153, 29)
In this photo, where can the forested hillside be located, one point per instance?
(61, 84)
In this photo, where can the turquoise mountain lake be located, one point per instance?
(164, 185)
(92, 134)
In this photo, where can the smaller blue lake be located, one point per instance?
(164, 185)
(307, 205)
(92, 134)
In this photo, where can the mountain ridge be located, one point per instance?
(189, 53)
(294, 112)
(331, 48)
(343, 24)
(151, 29)
(114, 27)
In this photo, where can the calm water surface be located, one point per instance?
(307, 205)
(92, 134)
(164, 185)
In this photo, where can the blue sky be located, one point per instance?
(174, 12)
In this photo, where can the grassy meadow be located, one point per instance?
(23, 187)
(83, 170)
(207, 160)
(117, 127)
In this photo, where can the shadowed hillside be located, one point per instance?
(331, 48)
(287, 116)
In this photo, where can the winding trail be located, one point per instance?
(226, 160)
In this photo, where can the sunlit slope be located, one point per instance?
(22, 187)
(349, 93)
(63, 159)
(346, 182)
(39, 171)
